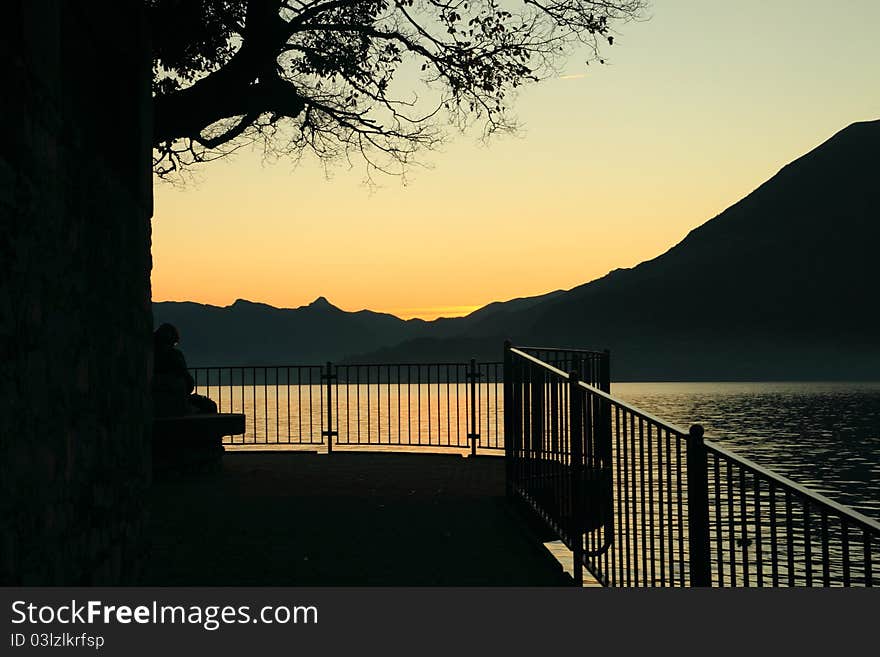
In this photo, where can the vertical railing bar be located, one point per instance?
(336, 398)
(634, 494)
(357, 401)
(808, 543)
(774, 547)
(299, 403)
(789, 538)
(266, 400)
(731, 518)
(644, 532)
(576, 525)
(378, 404)
(621, 417)
(232, 393)
(680, 510)
(826, 559)
(699, 551)
(388, 398)
(497, 434)
(428, 390)
(328, 377)
(759, 554)
(669, 514)
(439, 407)
(369, 409)
(419, 401)
(474, 431)
(630, 431)
(590, 458)
(651, 501)
(458, 401)
(528, 455)
(448, 410)
(844, 538)
(617, 573)
(399, 416)
(478, 425)
(660, 507)
(744, 539)
(719, 541)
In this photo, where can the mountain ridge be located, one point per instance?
(778, 285)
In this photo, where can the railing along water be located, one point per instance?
(641, 502)
(766, 530)
(284, 405)
(456, 405)
(435, 405)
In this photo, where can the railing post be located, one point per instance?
(507, 408)
(605, 371)
(576, 466)
(603, 445)
(698, 508)
(329, 377)
(536, 397)
(473, 435)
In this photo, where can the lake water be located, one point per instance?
(825, 436)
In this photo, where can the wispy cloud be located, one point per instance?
(573, 76)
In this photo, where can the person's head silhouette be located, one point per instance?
(166, 335)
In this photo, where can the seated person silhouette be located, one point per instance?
(172, 383)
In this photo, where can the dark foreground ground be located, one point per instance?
(355, 518)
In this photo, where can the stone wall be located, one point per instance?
(75, 317)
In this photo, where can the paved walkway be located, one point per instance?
(350, 518)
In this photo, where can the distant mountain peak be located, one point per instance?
(321, 302)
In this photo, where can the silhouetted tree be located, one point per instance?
(342, 76)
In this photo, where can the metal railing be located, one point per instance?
(766, 530)
(434, 405)
(641, 502)
(454, 405)
(284, 405)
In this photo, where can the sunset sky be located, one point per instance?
(697, 106)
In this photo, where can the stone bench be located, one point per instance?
(192, 443)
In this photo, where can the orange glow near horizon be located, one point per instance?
(616, 165)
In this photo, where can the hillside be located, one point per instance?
(249, 333)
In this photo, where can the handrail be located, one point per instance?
(538, 361)
(341, 364)
(252, 366)
(592, 352)
(604, 395)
